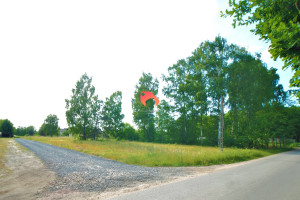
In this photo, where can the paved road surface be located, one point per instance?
(274, 177)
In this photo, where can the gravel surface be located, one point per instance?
(83, 172)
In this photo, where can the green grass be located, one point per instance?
(151, 154)
(3, 149)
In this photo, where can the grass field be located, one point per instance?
(151, 154)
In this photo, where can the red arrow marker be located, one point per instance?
(145, 95)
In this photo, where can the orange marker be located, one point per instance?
(145, 95)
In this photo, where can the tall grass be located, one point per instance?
(152, 154)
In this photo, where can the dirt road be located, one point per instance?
(25, 174)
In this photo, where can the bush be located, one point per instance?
(65, 133)
(129, 133)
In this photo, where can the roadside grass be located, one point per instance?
(152, 154)
(295, 145)
(3, 149)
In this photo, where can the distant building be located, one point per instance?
(62, 130)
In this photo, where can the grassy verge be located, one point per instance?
(3, 149)
(151, 154)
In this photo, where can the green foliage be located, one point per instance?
(143, 115)
(50, 126)
(187, 89)
(65, 133)
(277, 21)
(164, 122)
(22, 131)
(227, 75)
(129, 133)
(111, 114)
(83, 109)
(6, 128)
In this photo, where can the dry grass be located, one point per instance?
(3, 149)
(151, 154)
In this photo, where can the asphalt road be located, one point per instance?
(274, 177)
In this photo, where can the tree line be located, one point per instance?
(220, 95)
(218, 76)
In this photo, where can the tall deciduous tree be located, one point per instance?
(198, 92)
(6, 128)
(215, 59)
(143, 116)
(83, 108)
(177, 91)
(111, 114)
(277, 21)
(164, 121)
(186, 87)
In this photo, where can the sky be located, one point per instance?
(45, 47)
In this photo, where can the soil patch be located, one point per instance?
(26, 174)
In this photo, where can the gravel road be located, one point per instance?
(82, 172)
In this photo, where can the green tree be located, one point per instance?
(143, 116)
(21, 131)
(164, 121)
(50, 126)
(6, 128)
(30, 130)
(111, 114)
(250, 85)
(197, 82)
(187, 89)
(96, 107)
(177, 91)
(83, 110)
(293, 125)
(129, 133)
(277, 21)
(42, 131)
(215, 56)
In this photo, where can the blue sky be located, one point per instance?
(45, 46)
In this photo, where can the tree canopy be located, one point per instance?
(143, 116)
(50, 126)
(6, 128)
(111, 114)
(276, 21)
(83, 109)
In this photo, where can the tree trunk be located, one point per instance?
(221, 124)
(84, 134)
(185, 130)
(280, 143)
(201, 128)
(232, 127)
